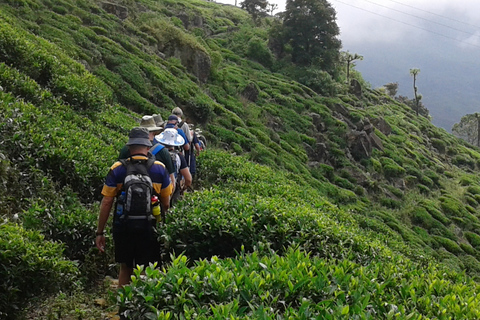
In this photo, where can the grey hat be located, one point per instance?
(158, 120)
(170, 137)
(149, 123)
(139, 136)
(177, 111)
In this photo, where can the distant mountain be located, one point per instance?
(447, 81)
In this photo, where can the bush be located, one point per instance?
(474, 190)
(473, 238)
(449, 245)
(30, 266)
(438, 144)
(392, 170)
(258, 50)
(250, 286)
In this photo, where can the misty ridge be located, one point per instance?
(446, 55)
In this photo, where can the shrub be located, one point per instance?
(258, 50)
(250, 286)
(390, 203)
(426, 181)
(30, 266)
(461, 160)
(393, 170)
(473, 238)
(452, 207)
(468, 248)
(474, 189)
(449, 245)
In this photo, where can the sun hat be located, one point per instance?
(158, 120)
(149, 123)
(139, 136)
(170, 137)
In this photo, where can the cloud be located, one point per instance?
(387, 21)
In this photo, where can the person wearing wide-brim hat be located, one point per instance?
(161, 155)
(172, 122)
(171, 139)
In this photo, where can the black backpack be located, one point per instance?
(135, 200)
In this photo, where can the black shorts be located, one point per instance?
(134, 248)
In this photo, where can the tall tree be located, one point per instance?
(349, 58)
(256, 8)
(414, 72)
(311, 31)
(272, 7)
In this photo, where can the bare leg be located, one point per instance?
(124, 275)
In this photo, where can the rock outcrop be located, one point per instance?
(120, 11)
(194, 60)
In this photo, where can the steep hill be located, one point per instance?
(342, 205)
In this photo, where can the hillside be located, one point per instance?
(332, 203)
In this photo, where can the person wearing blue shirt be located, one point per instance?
(172, 122)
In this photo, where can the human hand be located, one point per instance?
(100, 242)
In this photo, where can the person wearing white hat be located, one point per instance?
(171, 139)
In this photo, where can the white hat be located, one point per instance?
(170, 137)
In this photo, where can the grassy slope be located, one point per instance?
(72, 74)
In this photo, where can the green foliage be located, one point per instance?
(311, 31)
(258, 50)
(60, 132)
(30, 266)
(452, 207)
(473, 238)
(449, 245)
(475, 190)
(251, 285)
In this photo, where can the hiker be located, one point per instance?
(171, 139)
(182, 124)
(133, 231)
(193, 153)
(160, 153)
(172, 122)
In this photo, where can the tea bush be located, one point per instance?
(297, 285)
(30, 266)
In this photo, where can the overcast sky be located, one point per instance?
(440, 37)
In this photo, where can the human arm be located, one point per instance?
(185, 172)
(105, 207)
(172, 182)
(162, 185)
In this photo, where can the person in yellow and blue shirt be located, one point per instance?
(132, 248)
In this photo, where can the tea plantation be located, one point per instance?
(294, 214)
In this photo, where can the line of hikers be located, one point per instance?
(153, 170)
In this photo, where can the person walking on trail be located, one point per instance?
(172, 123)
(182, 124)
(159, 153)
(193, 153)
(138, 183)
(171, 139)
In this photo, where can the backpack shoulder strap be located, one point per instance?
(180, 124)
(150, 163)
(156, 148)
